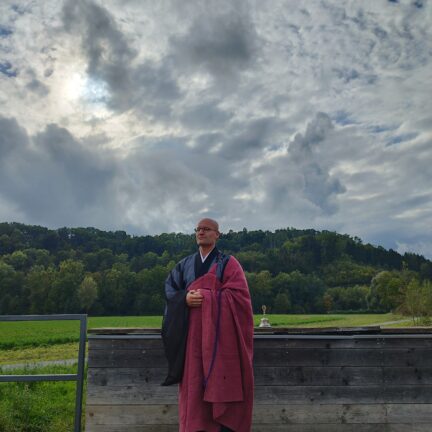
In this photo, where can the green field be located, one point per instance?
(38, 406)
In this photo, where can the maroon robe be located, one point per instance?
(227, 396)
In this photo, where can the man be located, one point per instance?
(208, 338)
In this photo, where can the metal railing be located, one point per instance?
(78, 377)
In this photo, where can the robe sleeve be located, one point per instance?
(175, 325)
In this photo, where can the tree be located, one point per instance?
(117, 290)
(417, 300)
(87, 293)
(12, 300)
(39, 283)
(281, 303)
(386, 291)
(347, 298)
(18, 260)
(64, 292)
(260, 289)
(412, 304)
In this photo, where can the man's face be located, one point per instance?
(207, 233)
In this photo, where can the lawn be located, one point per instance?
(38, 406)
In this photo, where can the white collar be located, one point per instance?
(204, 258)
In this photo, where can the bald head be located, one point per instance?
(210, 223)
(207, 234)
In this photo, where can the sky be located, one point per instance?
(145, 116)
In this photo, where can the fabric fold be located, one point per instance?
(227, 395)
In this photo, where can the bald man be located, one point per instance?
(208, 338)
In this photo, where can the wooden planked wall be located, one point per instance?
(303, 382)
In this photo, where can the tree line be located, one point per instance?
(71, 270)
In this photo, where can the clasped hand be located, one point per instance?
(194, 298)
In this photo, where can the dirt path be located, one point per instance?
(33, 365)
(391, 322)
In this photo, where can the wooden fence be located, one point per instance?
(332, 380)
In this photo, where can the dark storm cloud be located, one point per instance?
(51, 176)
(204, 116)
(146, 87)
(102, 41)
(12, 137)
(221, 44)
(302, 172)
(303, 144)
(245, 139)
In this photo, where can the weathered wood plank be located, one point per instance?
(127, 358)
(167, 414)
(126, 376)
(132, 395)
(132, 414)
(313, 375)
(343, 394)
(377, 427)
(263, 376)
(278, 357)
(124, 344)
(378, 343)
(344, 357)
(403, 413)
(275, 414)
(278, 428)
(297, 375)
(130, 428)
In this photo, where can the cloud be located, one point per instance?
(147, 87)
(126, 116)
(221, 44)
(12, 137)
(204, 116)
(247, 138)
(51, 176)
(298, 177)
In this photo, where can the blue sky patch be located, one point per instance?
(6, 69)
(401, 138)
(344, 118)
(5, 32)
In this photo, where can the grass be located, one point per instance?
(348, 320)
(38, 406)
(39, 353)
(22, 334)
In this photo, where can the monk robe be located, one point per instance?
(217, 383)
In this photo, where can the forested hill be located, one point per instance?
(290, 270)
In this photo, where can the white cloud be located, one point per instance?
(264, 115)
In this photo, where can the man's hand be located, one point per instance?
(194, 298)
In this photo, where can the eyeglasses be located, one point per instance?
(205, 229)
